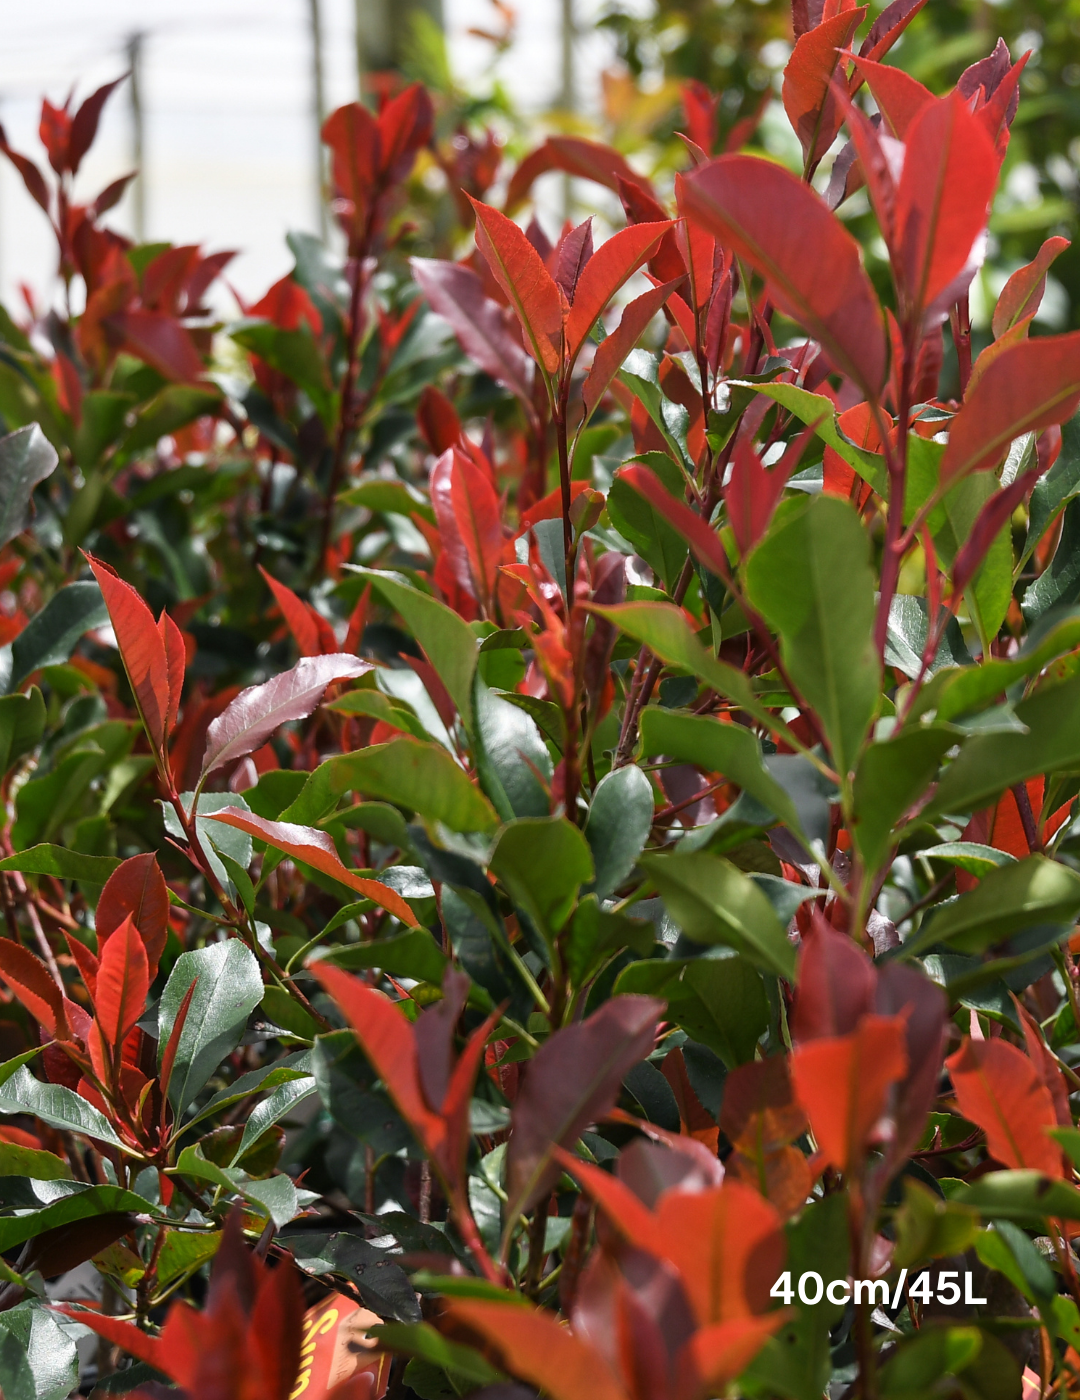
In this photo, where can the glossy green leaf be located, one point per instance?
(719, 1002)
(543, 862)
(228, 988)
(447, 641)
(32, 1337)
(618, 825)
(413, 954)
(1012, 897)
(811, 579)
(56, 1105)
(820, 411)
(662, 547)
(22, 724)
(728, 749)
(1025, 1196)
(51, 635)
(512, 760)
(26, 457)
(64, 1202)
(714, 902)
(1059, 584)
(892, 775)
(271, 1110)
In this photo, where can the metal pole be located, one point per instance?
(138, 187)
(318, 94)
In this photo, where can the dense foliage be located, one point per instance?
(540, 790)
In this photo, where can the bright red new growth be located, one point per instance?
(999, 1088)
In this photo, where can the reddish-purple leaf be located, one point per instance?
(768, 217)
(162, 342)
(572, 252)
(405, 125)
(478, 522)
(885, 31)
(613, 350)
(1027, 388)
(836, 984)
(811, 105)
(258, 711)
(457, 294)
(904, 990)
(530, 289)
(1023, 293)
(141, 650)
(573, 1079)
(84, 124)
(754, 490)
(136, 888)
(29, 979)
(988, 75)
(315, 848)
(54, 131)
(589, 160)
(900, 97)
(176, 664)
(942, 205)
(603, 275)
(111, 195)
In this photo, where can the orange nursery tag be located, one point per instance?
(336, 1348)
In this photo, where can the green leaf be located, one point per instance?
(31, 1337)
(816, 409)
(981, 1362)
(229, 987)
(543, 862)
(1059, 584)
(173, 407)
(891, 776)
(640, 372)
(413, 954)
(295, 354)
(730, 749)
(62, 863)
(661, 546)
(905, 640)
(56, 1105)
(811, 580)
(1025, 1196)
(1012, 897)
(388, 498)
(421, 777)
(28, 1161)
(420, 1339)
(26, 457)
(618, 825)
(282, 1010)
(968, 855)
(509, 754)
(256, 1081)
(22, 724)
(990, 763)
(1054, 490)
(719, 1002)
(51, 635)
(275, 1196)
(68, 1201)
(44, 804)
(713, 902)
(447, 640)
(183, 1252)
(271, 1110)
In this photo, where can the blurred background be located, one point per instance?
(223, 111)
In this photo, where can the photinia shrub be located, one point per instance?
(540, 847)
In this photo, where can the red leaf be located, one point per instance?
(899, 97)
(788, 234)
(1046, 1064)
(809, 101)
(714, 1356)
(297, 616)
(457, 294)
(141, 650)
(572, 252)
(136, 888)
(32, 177)
(476, 512)
(702, 538)
(352, 134)
(603, 275)
(531, 1344)
(942, 205)
(387, 1039)
(887, 28)
(111, 195)
(162, 342)
(856, 423)
(1022, 294)
(843, 1083)
(258, 711)
(836, 984)
(175, 664)
(168, 1057)
(529, 287)
(1027, 388)
(572, 1080)
(998, 1088)
(550, 507)
(125, 1335)
(590, 160)
(613, 350)
(84, 124)
(437, 419)
(54, 129)
(458, 1099)
(85, 961)
(727, 1246)
(123, 982)
(754, 490)
(315, 848)
(30, 980)
(405, 125)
